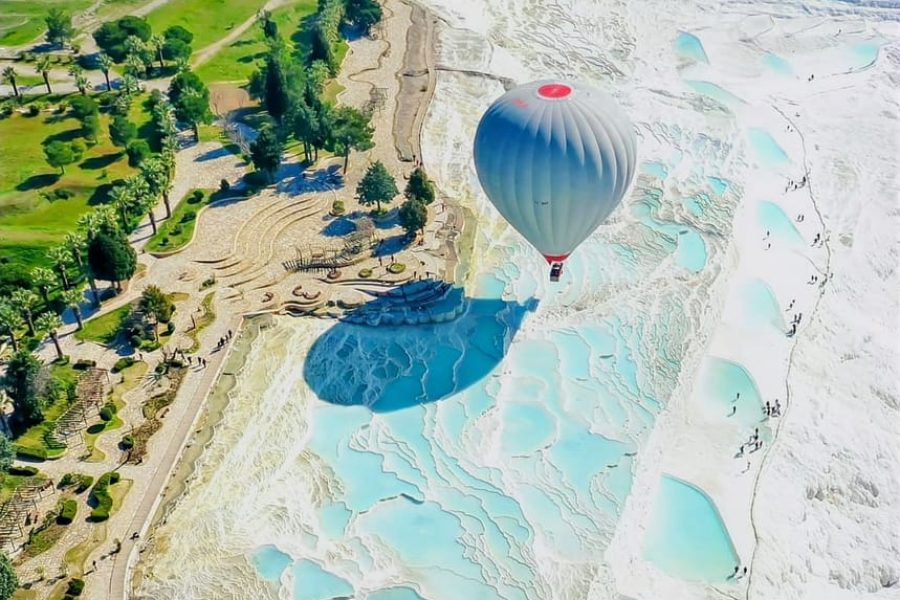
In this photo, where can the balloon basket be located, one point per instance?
(555, 271)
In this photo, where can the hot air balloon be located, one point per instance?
(555, 158)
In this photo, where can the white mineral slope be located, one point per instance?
(827, 510)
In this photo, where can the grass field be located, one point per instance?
(105, 328)
(209, 20)
(176, 232)
(236, 62)
(29, 222)
(22, 21)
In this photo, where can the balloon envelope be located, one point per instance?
(555, 158)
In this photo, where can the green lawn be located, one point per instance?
(174, 233)
(208, 20)
(29, 222)
(105, 328)
(22, 21)
(236, 62)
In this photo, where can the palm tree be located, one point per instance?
(43, 279)
(120, 196)
(9, 74)
(140, 191)
(10, 322)
(158, 176)
(130, 84)
(60, 257)
(106, 63)
(25, 301)
(75, 244)
(157, 42)
(73, 298)
(81, 82)
(50, 322)
(43, 66)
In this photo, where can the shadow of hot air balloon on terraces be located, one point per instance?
(399, 354)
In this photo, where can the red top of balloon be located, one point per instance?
(554, 91)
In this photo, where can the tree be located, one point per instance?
(268, 24)
(419, 187)
(122, 131)
(377, 186)
(177, 43)
(157, 43)
(82, 106)
(81, 82)
(413, 216)
(43, 279)
(59, 27)
(26, 301)
(158, 175)
(138, 56)
(59, 154)
(43, 67)
(190, 97)
(9, 583)
(111, 36)
(50, 322)
(349, 129)
(140, 191)
(266, 152)
(60, 257)
(137, 151)
(7, 454)
(73, 299)
(9, 75)
(90, 128)
(111, 257)
(106, 64)
(74, 243)
(157, 307)
(363, 13)
(20, 382)
(121, 198)
(10, 322)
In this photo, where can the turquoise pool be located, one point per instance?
(781, 227)
(715, 92)
(721, 382)
(687, 538)
(765, 149)
(689, 46)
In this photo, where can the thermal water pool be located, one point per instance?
(686, 537)
(689, 46)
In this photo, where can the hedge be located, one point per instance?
(67, 512)
(23, 471)
(100, 496)
(84, 364)
(81, 482)
(29, 452)
(122, 364)
(128, 442)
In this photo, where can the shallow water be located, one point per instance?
(687, 538)
(689, 46)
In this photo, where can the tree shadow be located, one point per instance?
(293, 178)
(213, 154)
(250, 58)
(100, 162)
(38, 181)
(392, 245)
(100, 194)
(63, 136)
(339, 227)
(390, 368)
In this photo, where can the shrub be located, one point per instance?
(337, 207)
(29, 452)
(196, 197)
(106, 413)
(22, 471)
(396, 268)
(100, 496)
(123, 363)
(188, 216)
(365, 273)
(33, 110)
(170, 327)
(83, 364)
(128, 442)
(224, 186)
(81, 482)
(62, 194)
(255, 179)
(67, 512)
(76, 586)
